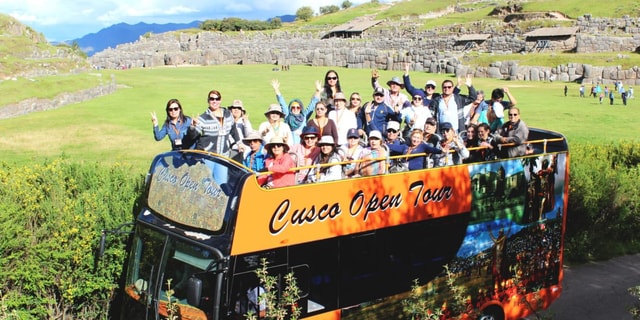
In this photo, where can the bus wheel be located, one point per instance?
(492, 312)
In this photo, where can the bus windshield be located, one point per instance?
(160, 270)
(192, 188)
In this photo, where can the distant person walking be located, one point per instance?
(623, 95)
(582, 91)
(611, 96)
(566, 89)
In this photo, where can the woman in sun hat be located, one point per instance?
(275, 125)
(256, 156)
(328, 154)
(342, 117)
(279, 163)
(393, 96)
(377, 151)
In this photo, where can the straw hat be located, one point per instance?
(277, 140)
(274, 108)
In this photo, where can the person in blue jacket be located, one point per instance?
(175, 125)
(415, 146)
(254, 159)
(376, 114)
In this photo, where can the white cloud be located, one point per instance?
(61, 20)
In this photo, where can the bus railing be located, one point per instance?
(544, 143)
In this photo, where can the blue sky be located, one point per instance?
(61, 20)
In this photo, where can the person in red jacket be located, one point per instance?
(279, 163)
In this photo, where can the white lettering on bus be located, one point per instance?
(188, 184)
(280, 220)
(166, 176)
(211, 190)
(425, 196)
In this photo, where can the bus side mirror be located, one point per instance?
(194, 291)
(103, 237)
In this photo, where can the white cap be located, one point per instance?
(375, 134)
(393, 125)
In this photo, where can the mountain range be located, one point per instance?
(121, 33)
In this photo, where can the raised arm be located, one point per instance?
(275, 84)
(407, 83)
(512, 100)
(314, 100)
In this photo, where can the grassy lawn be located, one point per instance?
(117, 127)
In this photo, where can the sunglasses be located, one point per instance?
(277, 145)
(173, 109)
(214, 98)
(332, 78)
(295, 107)
(444, 130)
(310, 138)
(417, 98)
(513, 114)
(431, 87)
(353, 138)
(378, 95)
(355, 98)
(447, 87)
(391, 131)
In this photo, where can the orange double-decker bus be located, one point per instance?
(355, 246)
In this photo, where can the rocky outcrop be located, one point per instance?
(35, 104)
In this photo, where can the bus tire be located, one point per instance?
(492, 312)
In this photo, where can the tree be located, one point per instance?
(346, 4)
(304, 13)
(329, 9)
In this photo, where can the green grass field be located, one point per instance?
(117, 127)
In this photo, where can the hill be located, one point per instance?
(26, 53)
(120, 33)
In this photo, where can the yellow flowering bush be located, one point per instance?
(51, 215)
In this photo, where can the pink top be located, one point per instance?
(281, 176)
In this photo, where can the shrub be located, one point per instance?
(602, 218)
(51, 219)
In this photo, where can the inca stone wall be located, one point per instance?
(387, 49)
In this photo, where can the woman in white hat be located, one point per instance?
(256, 156)
(279, 163)
(342, 117)
(275, 126)
(328, 154)
(377, 151)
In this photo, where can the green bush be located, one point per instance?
(51, 216)
(603, 218)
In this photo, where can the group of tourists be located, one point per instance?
(334, 137)
(597, 91)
